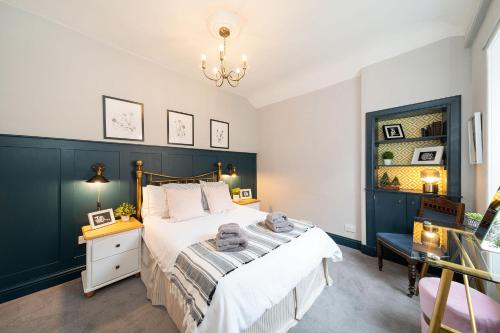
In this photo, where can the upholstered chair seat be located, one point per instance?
(400, 242)
(456, 315)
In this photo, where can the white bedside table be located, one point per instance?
(113, 253)
(250, 203)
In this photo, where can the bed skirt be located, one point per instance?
(280, 318)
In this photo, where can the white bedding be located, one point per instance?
(245, 294)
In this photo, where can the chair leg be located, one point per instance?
(380, 254)
(412, 277)
(423, 273)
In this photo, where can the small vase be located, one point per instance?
(387, 162)
(125, 218)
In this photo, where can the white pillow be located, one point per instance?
(185, 186)
(156, 201)
(203, 196)
(184, 204)
(218, 197)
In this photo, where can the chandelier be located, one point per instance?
(221, 73)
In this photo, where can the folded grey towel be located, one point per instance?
(281, 227)
(230, 244)
(229, 230)
(276, 217)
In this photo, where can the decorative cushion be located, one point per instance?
(184, 204)
(218, 197)
(456, 315)
(401, 242)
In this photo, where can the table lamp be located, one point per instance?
(430, 178)
(98, 179)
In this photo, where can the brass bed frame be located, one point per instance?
(159, 179)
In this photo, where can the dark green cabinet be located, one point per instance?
(390, 212)
(412, 207)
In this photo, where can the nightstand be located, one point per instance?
(113, 253)
(250, 203)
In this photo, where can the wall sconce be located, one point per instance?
(232, 170)
(98, 179)
(430, 178)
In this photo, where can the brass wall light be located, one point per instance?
(98, 179)
(232, 170)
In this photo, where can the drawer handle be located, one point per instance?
(117, 267)
(399, 201)
(117, 245)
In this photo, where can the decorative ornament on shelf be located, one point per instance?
(388, 156)
(384, 180)
(387, 184)
(221, 73)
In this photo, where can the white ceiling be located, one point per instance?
(293, 46)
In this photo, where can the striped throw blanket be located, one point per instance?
(199, 267)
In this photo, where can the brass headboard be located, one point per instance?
(158, 179)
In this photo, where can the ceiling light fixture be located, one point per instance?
(221, 73)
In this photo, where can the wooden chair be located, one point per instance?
(435, 209)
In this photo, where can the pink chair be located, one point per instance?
(456, 315)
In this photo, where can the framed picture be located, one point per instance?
(475, 133)
(180, 128)
(393, 132)
(123, 120)
(101, 218)
(245, 193)
(428, 155)
(219, 134)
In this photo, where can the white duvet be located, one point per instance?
(246, 293)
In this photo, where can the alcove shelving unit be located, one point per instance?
(394, 210)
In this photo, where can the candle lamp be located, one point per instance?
(430, 178)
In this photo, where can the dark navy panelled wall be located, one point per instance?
(44, 199)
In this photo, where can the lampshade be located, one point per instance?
(98, 177)
(429, 176)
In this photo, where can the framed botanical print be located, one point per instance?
(219, 134)
(180, 128)
(123, 119)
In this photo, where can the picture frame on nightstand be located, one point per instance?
(245, 193)
(101, 218)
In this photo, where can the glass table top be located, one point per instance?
(457, 249)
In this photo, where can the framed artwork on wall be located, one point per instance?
(180, 128)
(219, 134)
(428, 155)
(393, 132)
(123, 119)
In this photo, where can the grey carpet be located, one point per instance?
(362, 299)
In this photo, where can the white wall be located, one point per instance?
(438, 70)
(480, 102)
(308, 157)
(52, 79)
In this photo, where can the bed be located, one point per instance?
(269, 294)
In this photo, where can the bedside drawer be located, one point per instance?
(110, 268)
(111, 245)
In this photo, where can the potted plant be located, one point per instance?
(124, 211)
(236, 193)
(472, 219)
(388, 156)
